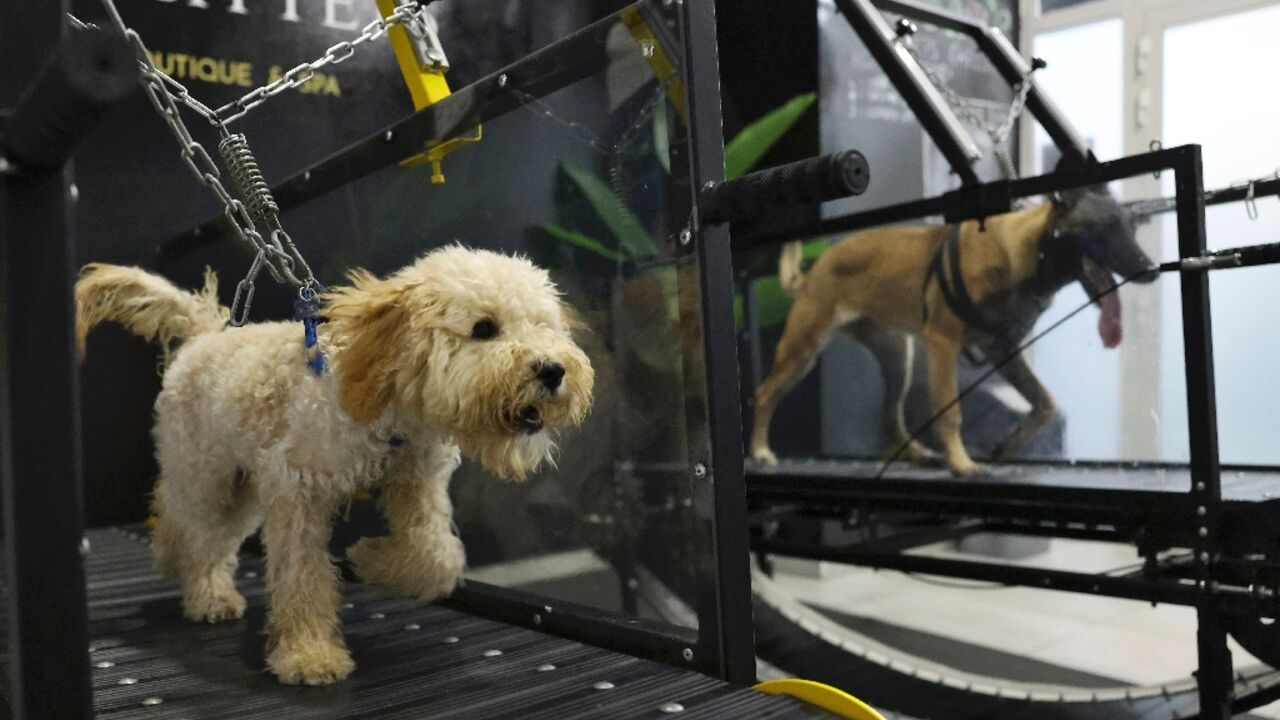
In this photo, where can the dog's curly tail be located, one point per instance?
(145, 304)
(790, 267)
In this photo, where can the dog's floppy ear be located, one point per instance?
(369, 319)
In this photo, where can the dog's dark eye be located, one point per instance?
(484, 330)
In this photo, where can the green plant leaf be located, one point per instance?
(745, 150)
(582, 241)
(632, 238)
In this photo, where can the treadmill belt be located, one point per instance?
(412, 661)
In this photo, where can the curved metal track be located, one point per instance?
(796, 638)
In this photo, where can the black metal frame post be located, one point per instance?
(727, 628)
(1215, 676)
(47, 655)
(921, 96)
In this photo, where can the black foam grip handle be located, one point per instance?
(85, 76)
(805, 182)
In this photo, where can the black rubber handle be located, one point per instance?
(86, 75)
(805, 182)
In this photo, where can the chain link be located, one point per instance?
(277, 252)
(300, 75)
(998, 133)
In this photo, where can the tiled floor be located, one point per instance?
(1121, 639)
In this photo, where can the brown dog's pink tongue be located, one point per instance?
(1099, 284)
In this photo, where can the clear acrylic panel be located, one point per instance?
(1202, 75)
(591, 183)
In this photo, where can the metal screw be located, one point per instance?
(671, 708)
(687, 654)
(685, 236)
(127, 681)
(492, 653)
(74, 192)
(537, 619)
(603, 685)
(1200, 487)
(376, 616)
(1204, 532)
(502, 80)
(1201, 511)
(251, 575)
(449, 640)
(388, 135)
(347, 606)
(546, 668)
(905, 27)
(413, 626)
(104, 664)
(152, 701)
(699, 471)
(84, 541)
(306, 176)
(1204, 557)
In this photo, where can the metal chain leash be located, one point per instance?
(998, 133)
(277, 251)
(301, 74)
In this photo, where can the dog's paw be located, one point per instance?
(970, 469)
(764, 456)
(320, 663)
(212, 607)
(420, 572)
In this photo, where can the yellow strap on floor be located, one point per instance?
(824, 696)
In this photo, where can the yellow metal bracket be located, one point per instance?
(824, 696)
(425, 77)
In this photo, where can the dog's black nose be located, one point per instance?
(551, 373)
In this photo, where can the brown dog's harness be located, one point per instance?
(954, 290)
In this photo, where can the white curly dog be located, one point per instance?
(463, 351)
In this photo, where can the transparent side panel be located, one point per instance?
(1201, 61)
(588, 182)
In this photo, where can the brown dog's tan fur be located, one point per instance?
(872, 284)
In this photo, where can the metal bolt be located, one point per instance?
(127, 681)
(1200, 487)
(413, 626)
(251, 575)
(152, 701)
(537, 619)
(74, 192)
(449, 640)
(388, 136)
(347, 606)
(492, 653)
(1204, 557)
(104, 664)
(905, 27)
(306, 176)
(1201, 511)
(699, 471)
(502, 80)
(376, 616)
(603, 685)
(671, 708)
(546, 609)
(685, 236)
(548, 667)
(687, 654)
(84, 547)
(1204, 532)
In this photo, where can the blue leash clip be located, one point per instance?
(307, 309)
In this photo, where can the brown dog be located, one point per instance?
(955, 287)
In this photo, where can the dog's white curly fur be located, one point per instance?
(248, 435)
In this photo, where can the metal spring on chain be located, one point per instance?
(253, 187)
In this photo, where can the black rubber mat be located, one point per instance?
(412, 661)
